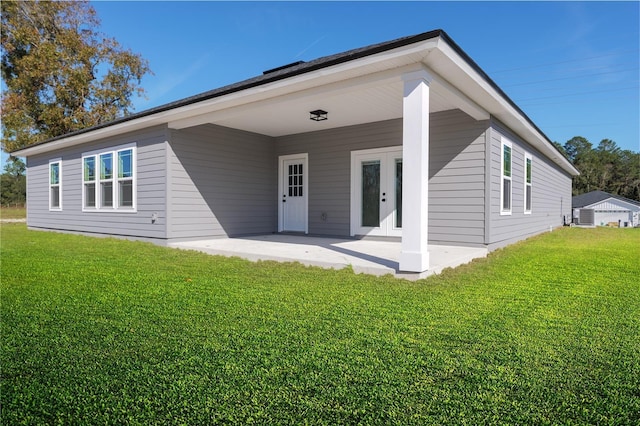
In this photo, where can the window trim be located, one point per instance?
(506, 143)
(57, 161)
(528, 160)
(85, 183)
(101, 180)
(115, 180)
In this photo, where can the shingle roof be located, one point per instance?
(301, 67)
(275, 74)
(596, 197)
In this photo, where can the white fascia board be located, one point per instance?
(322, 80)
(182, 115)
(491, 100)
(341, 86)
(90, 136)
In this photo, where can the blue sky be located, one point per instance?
(573, 67)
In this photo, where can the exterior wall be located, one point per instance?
(151, 188)
(456, 173)
(457, 179)
(330, 168)
(551, 192)
(211, 181)
(222, 183)
(613, 210)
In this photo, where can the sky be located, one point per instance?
(572, 67)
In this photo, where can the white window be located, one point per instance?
(55, 184)
(125, 178)
(89, 182)
(505, 185)
(108, 180)
(528, 170)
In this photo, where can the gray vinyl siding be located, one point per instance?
(456, 173)
(551, 192)
(330, 168)
(456, 178)
(211, 181)
(222, 183)
(150, 184)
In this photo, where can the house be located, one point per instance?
(601, 209)
(405, 139)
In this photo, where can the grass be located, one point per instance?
(102, 331)
(13, 212)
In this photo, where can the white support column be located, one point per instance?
(414, 256)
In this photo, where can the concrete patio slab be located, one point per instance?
(364, 256)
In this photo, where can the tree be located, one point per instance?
(630, 178)
(576, 148)
(579, 152)
(560, 148)
(61, 74)
(13, 183)
(605, 168)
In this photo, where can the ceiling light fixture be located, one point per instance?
(318, 115)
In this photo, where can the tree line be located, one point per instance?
(605, 167)
(13, 183)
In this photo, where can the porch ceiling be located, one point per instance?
(351, 102)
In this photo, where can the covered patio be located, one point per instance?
(366, 256)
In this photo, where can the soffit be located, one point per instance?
(289, 114)
(357, 91)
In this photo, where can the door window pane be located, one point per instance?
(398, 212)
(295, 180)
(371, 193)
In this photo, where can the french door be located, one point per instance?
(376, 192)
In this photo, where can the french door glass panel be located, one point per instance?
(398, 193)
(371, 193)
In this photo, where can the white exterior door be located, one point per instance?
(293, 193)
(376, 192)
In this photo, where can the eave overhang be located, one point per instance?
(360, 85)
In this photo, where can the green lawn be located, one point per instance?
(102, 331)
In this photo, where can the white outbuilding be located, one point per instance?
(600, 208)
